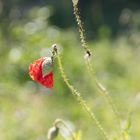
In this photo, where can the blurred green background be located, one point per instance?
(28, 28)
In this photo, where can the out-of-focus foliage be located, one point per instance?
(27, 109)
(95, 13)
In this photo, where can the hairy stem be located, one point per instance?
(99, 85)
(80, 100)
(80, 28)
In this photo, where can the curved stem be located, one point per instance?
(80, 100)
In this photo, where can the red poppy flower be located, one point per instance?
(36, 72)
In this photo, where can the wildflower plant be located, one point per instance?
(41, 71)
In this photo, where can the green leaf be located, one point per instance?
(126, 136)
(78, 135)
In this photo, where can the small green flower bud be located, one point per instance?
(87, 55)
(53, 132)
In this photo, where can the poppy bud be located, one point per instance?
(87, 55)
(53, 132)
(40, 71)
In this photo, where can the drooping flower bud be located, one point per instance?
(40, 71)
(87, 56)
(53, 132)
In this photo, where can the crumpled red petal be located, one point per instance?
(35, 72)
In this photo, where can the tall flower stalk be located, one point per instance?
(102, 89)
(78, 97)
